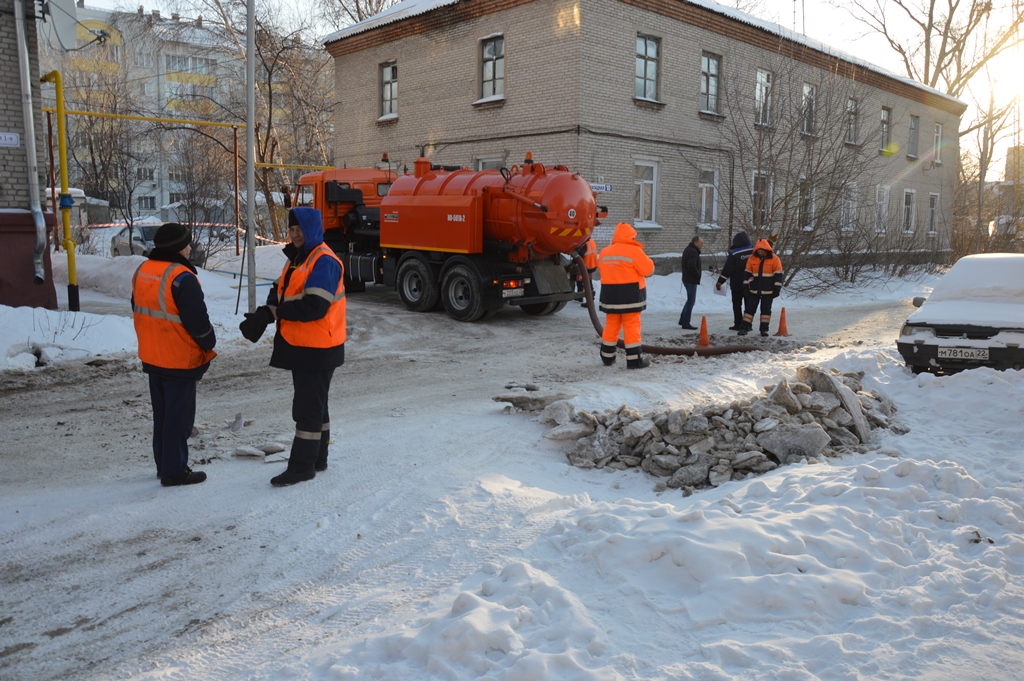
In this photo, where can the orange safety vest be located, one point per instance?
(590, 257)
(163, 340)
(327, 332)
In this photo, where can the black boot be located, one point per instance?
(607, 354)
(744, 329)
(321, 460)
(188, 477)
(637, 361)
(301, 463)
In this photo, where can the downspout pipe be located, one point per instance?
(30, 143)
(65, 198)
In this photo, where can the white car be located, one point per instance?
(974, 317)
(141, 242)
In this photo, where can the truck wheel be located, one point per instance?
(461, 294)
(537, 309)
(416, 286)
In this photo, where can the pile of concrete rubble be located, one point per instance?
(821, 414)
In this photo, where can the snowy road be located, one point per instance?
(107, 575)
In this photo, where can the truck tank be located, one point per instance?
(528, 212)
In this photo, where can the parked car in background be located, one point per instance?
(141, 240)
(974, 317)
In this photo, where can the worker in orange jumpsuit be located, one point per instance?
(623, 268)
(762, 285)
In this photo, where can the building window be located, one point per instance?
(761, 199)
(144, 60)
(176, 197)
(933, 214)
(710, 67)
(144, 174)
(176, 174)
(146, 88)
(885, 133)
(763, 98)
(492, 67)
(881, 208)
(937, 145)
(805, 207)
(909, 200)
(848, 214)
(389, 89)
(645, 198)
(147, 202)
(851, 121)
(807, 111)
(707, 186)
(490, 162)
(915, 125)
(180, 63)
(647, 55)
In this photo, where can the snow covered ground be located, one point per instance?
(449, 540)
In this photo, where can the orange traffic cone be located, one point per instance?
(703, 341)
(783, 331)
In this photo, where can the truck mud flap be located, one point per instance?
(549, 278)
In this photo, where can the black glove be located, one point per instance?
(256, 323)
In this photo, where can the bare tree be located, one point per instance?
(344, 12)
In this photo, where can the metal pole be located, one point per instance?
(238, 213)
(53, 181)
(250, 147)
(31, 160)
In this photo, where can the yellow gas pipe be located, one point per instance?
(65, 198)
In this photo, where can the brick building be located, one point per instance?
(689, 117)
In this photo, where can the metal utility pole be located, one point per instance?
(250, 149)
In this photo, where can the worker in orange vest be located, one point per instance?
(763, 284)
(624, 268)
(588, 252)
(176, 341)
(308, 302)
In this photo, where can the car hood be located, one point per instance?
(999, 313)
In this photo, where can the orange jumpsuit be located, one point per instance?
(623, 268)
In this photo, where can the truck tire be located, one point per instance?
(462, 294)
(416, 286)
(538, 309)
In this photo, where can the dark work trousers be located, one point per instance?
(174, 414)
(309, 404)
(765, 300)
(691, 298)
(737, 306)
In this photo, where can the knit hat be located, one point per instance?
(172, 237)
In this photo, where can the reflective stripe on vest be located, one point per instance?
(163, 340)
(327, 332)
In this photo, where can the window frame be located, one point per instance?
(808, 108)
(852, 119)
(805, 207)
(933, 213)
(709, 79)
(647, 39)
(882, 195)
(912, 141)
(707, 191)
(486, 162)
(150, 202)
(908, 222)
(388, 91)
(640, 221)
(763, 97)
(760, 202)
(497, 63)
(849, 208)
(937, 145)
(885, 131)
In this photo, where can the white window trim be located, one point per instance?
(657, 77)
(933, 224)
(914, 141)
(656, 164)
(718, 83)
(394, 113)
(855, 111)
(885, 124)
(882, 208)
(813, 209)
(763, 114)
(714, 199)
(754, 174)
(808, 114)
(849, 209)
(937, 145)
(479, 161)
(913, 211)
(480, 64)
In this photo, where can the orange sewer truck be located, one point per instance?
(468, 241)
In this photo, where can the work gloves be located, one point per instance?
(255, 323)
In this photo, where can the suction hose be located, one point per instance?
(653, 349)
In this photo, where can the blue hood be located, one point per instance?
(311, 223)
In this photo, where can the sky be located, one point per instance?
(452, 541)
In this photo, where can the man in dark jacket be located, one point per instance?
(734, 271)
(691, 280)
(308, 302)
(176, 342)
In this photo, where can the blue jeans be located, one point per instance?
(691, 298)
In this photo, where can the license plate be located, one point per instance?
(513, 292)
(963, 353)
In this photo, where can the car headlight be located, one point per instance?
(910, 330)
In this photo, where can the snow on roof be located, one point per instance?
(411, 8)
